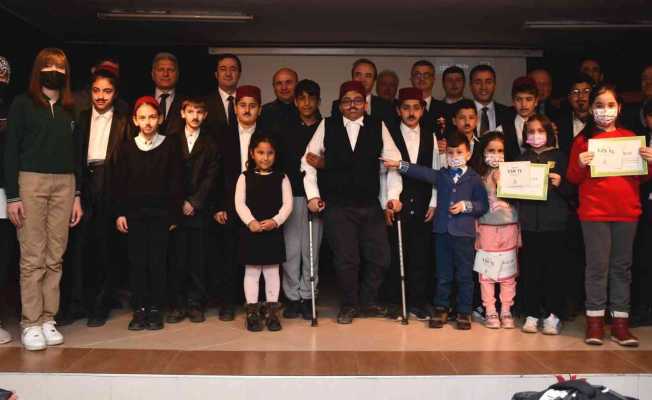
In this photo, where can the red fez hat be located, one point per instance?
(110, 67)
(247, 91)
(149, 100)
(352, 86)
(410, 93)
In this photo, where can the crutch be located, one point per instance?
(404, 320)
(312, 268)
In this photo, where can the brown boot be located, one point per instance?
(273, 323)
(253, 322)
(594, 330)
(620, 332)
(439, 318)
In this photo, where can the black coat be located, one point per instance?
(119, 134)
(380, 108)
(565, 131)
(173, 121)
(216, 121)
(201, 168)
(631, 118)
(552, 214)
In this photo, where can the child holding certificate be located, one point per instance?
(543, 226)
(609, 211)
(497, 237)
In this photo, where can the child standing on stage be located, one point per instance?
(263, 201)
(543, 224)
(464, 198)
(609, 211)
(149, 194)
(498, 236)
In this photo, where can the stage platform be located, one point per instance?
(371, 357)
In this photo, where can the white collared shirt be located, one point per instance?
(491, 113)
(518, 124)
(191, 138)
(168, 102)
(412, 139)
(245, 139)
(428, 101)
(578, 125)
(448, 100)
(145, 144)
(98, 141)
(224, 96)
(368, 100)
(391, 178)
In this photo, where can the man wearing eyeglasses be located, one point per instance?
(365, 72)
(348, 190)
(572, 122)
(422, 77)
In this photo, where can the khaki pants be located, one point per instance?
(47, 201)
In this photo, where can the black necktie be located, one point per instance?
(524, 133)
(231, 111)
(484, 121)
(162, 105)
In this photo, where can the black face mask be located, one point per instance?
(52, 79)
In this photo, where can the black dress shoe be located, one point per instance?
(306, 309)
(196, 314)
(154, 320)
(227, 313)
(419, 313)
(292, 309)
(175, 316)
(346, 314)
(374, 311)
(97, 319)
(138, 321)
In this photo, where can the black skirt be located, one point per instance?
(261, 248)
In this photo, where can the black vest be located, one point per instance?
(416, 194)
(264, 194)
(351, 177)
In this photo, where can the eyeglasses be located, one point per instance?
(577, 92)
(422, 75)
(358, 101)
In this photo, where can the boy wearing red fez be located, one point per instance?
(414, 136)
(233, 143)
(346, 190)
(149, 193)
(524, 101)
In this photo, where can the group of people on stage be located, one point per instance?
(200, 197)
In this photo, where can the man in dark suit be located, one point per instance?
(633, 116)
(91, 272)
(233, 144)
(387, 86)
(422, 76)
(571, 121)
(165, 74)
(188, 272)
(543, 79)
(365, 72)
(277, 115)
(221, 104)
(524, 101)
(491, 114)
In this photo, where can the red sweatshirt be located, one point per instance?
(614, 198)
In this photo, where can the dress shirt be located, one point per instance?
(145, 144)
(191, 138)
(224, 96)
(491, 113)
(412, 139)
(245, 139)
(98, 141)
(168, 102)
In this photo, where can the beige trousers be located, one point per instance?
(47, 201)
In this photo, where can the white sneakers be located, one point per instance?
(531, 325)
(5, 337)
(551, 325)
(40, 337)
(33, 338)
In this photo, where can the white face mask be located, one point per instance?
(605, 116)
(456, 162)
(493, 159)
(536, 140)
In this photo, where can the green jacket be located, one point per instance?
(40, 140)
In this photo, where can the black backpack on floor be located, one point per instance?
(572, 390)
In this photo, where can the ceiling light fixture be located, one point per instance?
(173, 16)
